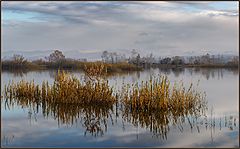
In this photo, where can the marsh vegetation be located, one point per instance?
(151, 95)
(153, 104)
(115, 62)
(133, 110)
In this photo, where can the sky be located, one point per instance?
(88, 28)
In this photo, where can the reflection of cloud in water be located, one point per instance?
(202, 139)
(46, 134)
(45, 129)
(221, 87)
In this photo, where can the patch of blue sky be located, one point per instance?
(17, 112)
(189, 8)
(20, 16)
(26, 16)
(227, 5)
(233, 134)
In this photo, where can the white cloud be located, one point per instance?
(170, 26)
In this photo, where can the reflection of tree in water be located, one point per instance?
(210, 72)
(235, 71)
(213, 74)
(138, 74)
(190, 70)
(52, 73)
(22, 72)
(166, 71)
(178, 71)
(151, 72)
(134, 77)
(17, 73)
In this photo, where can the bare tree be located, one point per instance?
(134, 53)
(105, 56)
(166, 60)
(112, 57)
(138, 58)
(56, 56)
(150, 59)
(19, 59)
(177, 60)
(116, 56)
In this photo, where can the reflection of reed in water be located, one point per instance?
(95, 119)
(160, 121)
(58, 101)
(157, 122)
(154, 105)
(7, 140)
(66, 99)
(92, 117)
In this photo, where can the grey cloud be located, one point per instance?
(199, 4)
(78, 12)
(86, 12)
(119, 25)
(143, 34)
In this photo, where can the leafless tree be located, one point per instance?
(56, 56)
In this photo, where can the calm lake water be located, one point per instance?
(23, 127)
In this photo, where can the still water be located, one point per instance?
(25, 127)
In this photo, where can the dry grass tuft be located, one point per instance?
(153, 104)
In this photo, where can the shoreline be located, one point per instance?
(136, 69)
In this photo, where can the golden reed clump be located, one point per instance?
(95, 71)
(156, 105)
(67, 98)
(156, 94)
(65, 89)
(152, 104)
(151, 95)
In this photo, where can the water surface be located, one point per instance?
(24, 127)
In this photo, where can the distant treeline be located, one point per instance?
(118, 63)
(57, 60)
(206, 60)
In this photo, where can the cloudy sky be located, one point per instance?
(163, 28)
